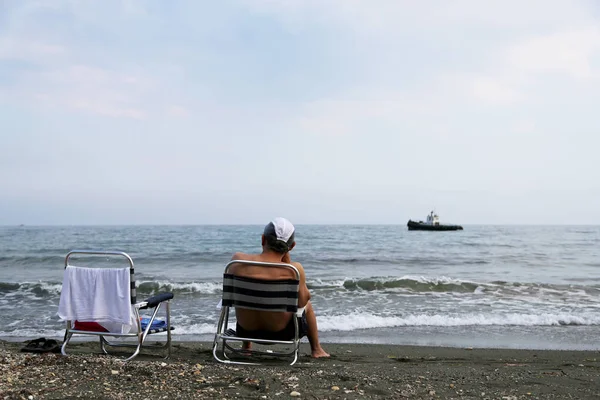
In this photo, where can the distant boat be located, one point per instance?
(432, 224)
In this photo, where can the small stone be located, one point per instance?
(114, 372)
(30, 397)
(432, 392)
(199, 366)
(295, 394)
(335, 388)
(163, 364)
(452, 386)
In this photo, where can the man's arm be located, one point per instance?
(303, 293)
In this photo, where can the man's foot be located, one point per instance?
(246, 348)
(319, 353)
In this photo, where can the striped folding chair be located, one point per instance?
(280, 295)
(75, 306)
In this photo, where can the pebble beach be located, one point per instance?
(354, 371)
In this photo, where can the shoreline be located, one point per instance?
(355, 371)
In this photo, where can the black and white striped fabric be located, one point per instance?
(159, 330)
(260, 294)
(133, 294)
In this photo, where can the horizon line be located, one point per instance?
(297, 224)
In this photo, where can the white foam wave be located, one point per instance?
(435, 280)
(479, 290)
(28, 333)
(199, 329)
(428, 280)
(320, 283)
(31, 286)
(353, 322)
(51, 287)
(191, 287)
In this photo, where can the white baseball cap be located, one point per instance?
(281, 229)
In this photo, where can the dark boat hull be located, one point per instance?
(418, 226)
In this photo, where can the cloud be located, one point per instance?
(55, 69)
(566, 52)
(28, 50)
(525, 126)
(353, 92)
(495, 91)
(178, 111)
(87, 89)
(521, 72)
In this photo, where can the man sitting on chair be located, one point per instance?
(277, 241)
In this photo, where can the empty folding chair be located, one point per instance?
(278, 295)
(102, 302)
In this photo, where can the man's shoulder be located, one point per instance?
(298, 266)
(243, 256)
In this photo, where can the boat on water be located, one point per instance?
(432, 224)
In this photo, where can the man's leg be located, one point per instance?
(313, 333)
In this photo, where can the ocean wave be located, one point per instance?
(44, 259)
(412, 284)
(394, 260)
(152, 287)
(415, 284)
(442, 284)
(30, 332)
(358, 321)
(199, 329)
(42, 289)
(38, 288)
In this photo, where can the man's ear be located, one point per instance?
(262, 240)
(292, 246)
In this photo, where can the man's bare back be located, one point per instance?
(276, 250)
(264, 320)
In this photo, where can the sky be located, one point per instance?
(321, 111)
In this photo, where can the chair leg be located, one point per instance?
(63, 349)
(295, 356)
(103, 343)
(168, 318)
(137, 350)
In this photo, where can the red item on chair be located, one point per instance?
(89, 326)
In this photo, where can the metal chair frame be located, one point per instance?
(139, 333)
(223, 335)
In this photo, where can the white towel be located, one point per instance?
(101, 295)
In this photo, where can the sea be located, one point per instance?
(523, 287)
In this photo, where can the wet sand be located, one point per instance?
(355, 371)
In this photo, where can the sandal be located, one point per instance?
(41, 345)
